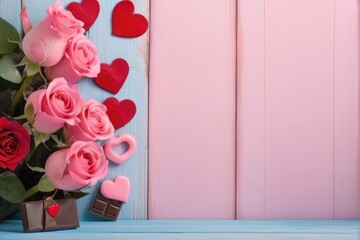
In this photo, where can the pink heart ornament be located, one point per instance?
(118, 189)
(113, 156)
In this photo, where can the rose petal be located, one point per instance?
(55, 168)
(25, 20)
(47, 124)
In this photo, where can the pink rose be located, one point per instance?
(94, 123)
(14, 143)
(47, 110)
(81, 165)
(46, 42)
(80, 59)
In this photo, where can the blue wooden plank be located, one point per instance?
(135, 51)
(11, 229)
(10, 11)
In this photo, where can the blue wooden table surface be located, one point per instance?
(175, 229)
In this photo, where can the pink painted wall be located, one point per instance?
(298, 109)
(285, 88)
(192, 109)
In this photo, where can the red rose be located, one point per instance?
(14, 143)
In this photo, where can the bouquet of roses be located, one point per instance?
(48, 134)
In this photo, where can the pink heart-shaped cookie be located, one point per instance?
(126, 23)
(118, 189)
(87, 11)
(113, 156)
(112, 77)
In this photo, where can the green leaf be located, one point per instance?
(40, 137)
(7, 209)
(8, 37)
(11, 188)
(30, 113)
(35, 169)
(31, 68)
(76, 194)
(8, 70)
(45, 185)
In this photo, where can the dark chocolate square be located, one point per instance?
(105, 207)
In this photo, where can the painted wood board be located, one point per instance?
(299, 109)
(7, 10)
(192, 110)
(346, 110)
(250, 181)
(195, 230)
(135, 51)
(298, 120)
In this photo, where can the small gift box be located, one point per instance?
(49, 215)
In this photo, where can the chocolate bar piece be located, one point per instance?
(105, 207)
(38, 215)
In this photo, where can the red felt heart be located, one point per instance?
(120, 113)
(87, 11)
(111, 78)
(53, 209)
(125, 23)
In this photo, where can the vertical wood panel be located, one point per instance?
(10, 11)
(346, 110)
(192, 110)
(299, 56)
(250, 110)
(135, 51)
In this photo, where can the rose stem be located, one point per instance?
(31, 192)
(20, 92)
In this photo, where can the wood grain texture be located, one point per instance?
(192, 110)
(299, 125)
(10, 11)
(250, 181)
(346, 110)
(135, 51)
(300, 230)
(298, 110)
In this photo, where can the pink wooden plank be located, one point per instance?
(346, 110)
(250, 111)
(192, 109)
(299, 86)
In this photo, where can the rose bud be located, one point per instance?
(45, 43)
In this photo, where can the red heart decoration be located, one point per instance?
(127, 24)
(120, 113)
(53, 209)
(111, 78)
(87, 11)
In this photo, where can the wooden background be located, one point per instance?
(251, 107)
(135, 52)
